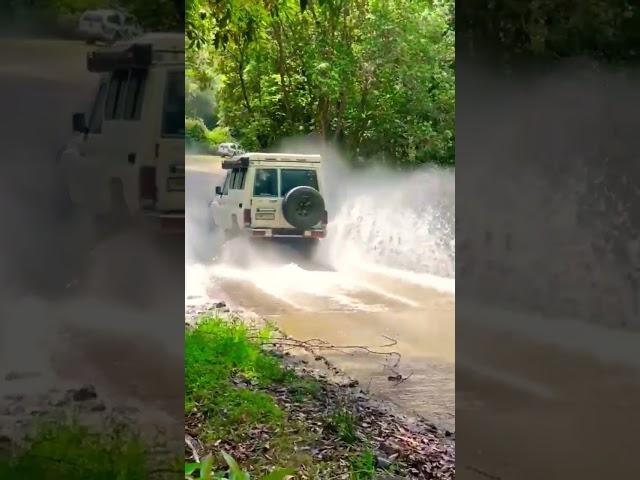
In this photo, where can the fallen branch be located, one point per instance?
(190, 441)
(315, 344)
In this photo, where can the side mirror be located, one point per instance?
(79, 123)
(218, 190)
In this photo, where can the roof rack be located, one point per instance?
(242, 162)
(245, 160)
(138, 55)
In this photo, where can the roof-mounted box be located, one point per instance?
(242, 162)
(135, 56)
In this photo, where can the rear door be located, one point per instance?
(266, 204)
(169, 148)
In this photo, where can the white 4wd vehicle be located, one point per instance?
(272, 195)
(126, 161)
(107, 26)
(229, 149)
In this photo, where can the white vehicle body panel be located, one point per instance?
(126, 133)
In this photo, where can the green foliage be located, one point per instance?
(218, 135)
(363, 466)
(343, 423)
(375, 76)
(197, 134)
(204, 470)
(222, 359)
(195, 130)
(75, 452)
(216, 354)
(552, 28)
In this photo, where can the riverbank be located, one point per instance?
(248, 397)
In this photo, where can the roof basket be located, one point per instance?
(242, 162)
(136, 56)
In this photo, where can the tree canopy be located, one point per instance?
(551, 28)
(374, 76)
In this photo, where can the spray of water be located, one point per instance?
(397, 224)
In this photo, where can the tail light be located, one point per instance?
(148, 183)
(247, 216)
(318, 234)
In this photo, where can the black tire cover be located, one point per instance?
(303, 207)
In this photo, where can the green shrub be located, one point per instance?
(217, 136)
(195, 130)
(74, 452)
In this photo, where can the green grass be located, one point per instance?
(221, 360)
(228, 375)
(74, 452)
(343, 423)
(363, 466)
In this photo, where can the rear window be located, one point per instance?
(173, 112)
(292, 178)
(266, 183)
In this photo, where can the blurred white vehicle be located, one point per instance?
(107, 26)
(229, 149)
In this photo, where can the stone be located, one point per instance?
(83, 394)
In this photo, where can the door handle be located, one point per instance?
(131, 158)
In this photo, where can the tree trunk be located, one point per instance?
(282, 70)
(243, 86)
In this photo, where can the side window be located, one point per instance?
(173, 111)
(238, 179)
(126, 92)
(97, 113)
(117, 87)
(134, 95)
(266, 183)
(114, 19)
(225, 187)
(232, 178)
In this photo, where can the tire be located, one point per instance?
(303, 207)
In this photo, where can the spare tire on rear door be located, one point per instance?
(303, 207)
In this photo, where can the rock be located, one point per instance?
(220, 305)
(88, 392)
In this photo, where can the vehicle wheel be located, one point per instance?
(303, 207)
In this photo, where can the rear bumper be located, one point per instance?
(165, 222)
(286, 233)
